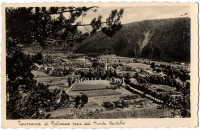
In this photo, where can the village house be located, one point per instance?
(49, 69)
(37, 66)
(82, 62)
(66, 61)
(113, 59)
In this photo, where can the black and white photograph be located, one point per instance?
(98, 62)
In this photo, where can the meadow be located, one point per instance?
(96, 93)
(92, 85)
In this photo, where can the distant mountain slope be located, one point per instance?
(163, 39)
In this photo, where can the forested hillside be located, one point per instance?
(163, 39)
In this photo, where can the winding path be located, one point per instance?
(71, 87)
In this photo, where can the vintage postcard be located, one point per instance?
(99, 65)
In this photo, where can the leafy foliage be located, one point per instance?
(37, 58)
(80, 101)
(113, 18)
(84, 100)
(108, 105)
(41, 24)
(24, 96)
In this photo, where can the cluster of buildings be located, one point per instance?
(62, 63)
(114, 59)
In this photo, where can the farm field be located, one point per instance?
(165, 88)
(146, 112)
(145, 66)
(96, 93)
(101, 99)
(92, 85)
(137, 65)
(53, 82)
(39, 74)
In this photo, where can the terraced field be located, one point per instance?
(96, 93)
(92, 85)
(53, 82)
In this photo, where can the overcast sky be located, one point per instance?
(139, 13)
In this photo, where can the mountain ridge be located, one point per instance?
(164, 39)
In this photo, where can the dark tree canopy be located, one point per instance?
(41, 24)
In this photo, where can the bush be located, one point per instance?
(153, 65)
(158, 70)
(118, 104)
(124, 104)
(129, 97)
(64, 98)
(77, 101)
(57, 73)
(80, 101)
(108, 105)
(84, 100)
(128, 76)
(37, 58)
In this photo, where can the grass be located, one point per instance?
(165, 88)
(92, 104)
(148, 112)
(137, 65)
(96, 93)
(53, 81)
(39, 74)
(58, 87)
(92, 85)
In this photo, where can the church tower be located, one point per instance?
(106, 65)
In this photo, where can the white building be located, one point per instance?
(114, 59)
